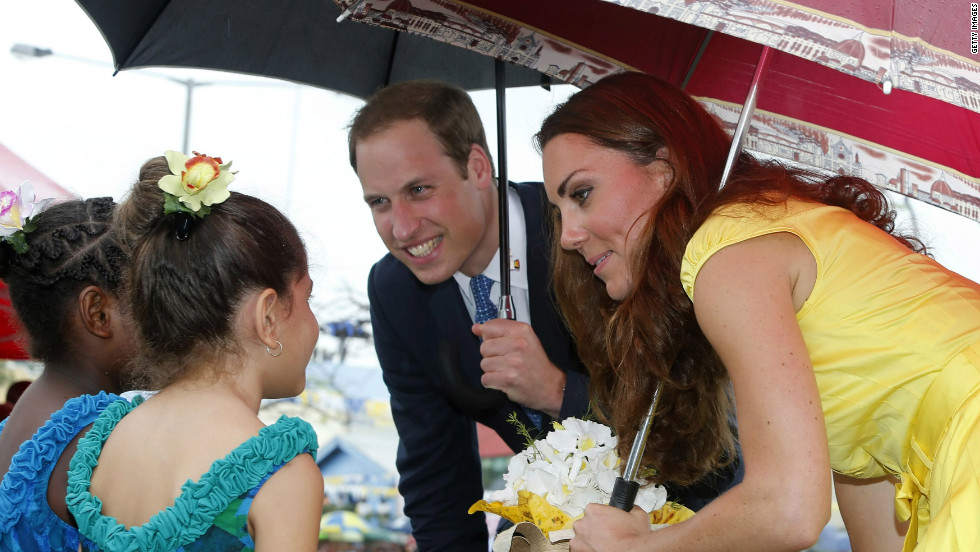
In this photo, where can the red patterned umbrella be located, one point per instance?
(811, 108)
(895, 99)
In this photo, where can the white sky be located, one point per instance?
(90, 132)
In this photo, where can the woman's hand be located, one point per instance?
(608, 528)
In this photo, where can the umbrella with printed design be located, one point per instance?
(887, 92)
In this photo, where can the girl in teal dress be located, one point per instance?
(220, 290)
(65, 280)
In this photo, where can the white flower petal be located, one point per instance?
(25, 192)
(542, 483)
(171, 185)
(39, 206)
(507, 496)
(193, 202)
(215, 196)
(565, 441)
(177, 162)
(651, 497)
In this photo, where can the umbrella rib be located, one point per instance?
(697, 58)
(746, 116)
(391, 61)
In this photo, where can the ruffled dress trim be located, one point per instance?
(199, 503)
(41, 452)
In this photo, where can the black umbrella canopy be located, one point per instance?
(294, 40)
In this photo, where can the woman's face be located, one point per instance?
(604, 199)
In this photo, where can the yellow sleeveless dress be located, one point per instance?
(894, 339)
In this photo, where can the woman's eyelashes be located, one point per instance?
(580, 195)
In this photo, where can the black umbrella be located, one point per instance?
(303, 42)
(294, 40)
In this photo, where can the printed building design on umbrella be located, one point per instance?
(778, 137)
(943, 194)
(488, 35)
(835, 42)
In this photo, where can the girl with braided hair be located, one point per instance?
(844, 348)
(220, 290)
(66, 291)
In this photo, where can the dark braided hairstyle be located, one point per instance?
(186, 293)
(71, 248)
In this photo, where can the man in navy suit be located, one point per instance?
(420, 152)
(421, 155)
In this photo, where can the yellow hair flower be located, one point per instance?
(196, 184)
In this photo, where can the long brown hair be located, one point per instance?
(652, 335)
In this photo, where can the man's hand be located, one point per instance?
(515, 362)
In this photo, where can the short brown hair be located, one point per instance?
(446, 109)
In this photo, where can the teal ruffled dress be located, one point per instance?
(209, 514)
(27, 523)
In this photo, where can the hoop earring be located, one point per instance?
(268, 350)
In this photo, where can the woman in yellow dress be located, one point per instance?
(785, 294)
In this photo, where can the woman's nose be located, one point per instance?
(572, 236)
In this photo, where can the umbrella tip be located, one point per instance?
(886, 84)
(347, 13)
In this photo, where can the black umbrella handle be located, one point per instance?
(624, 494)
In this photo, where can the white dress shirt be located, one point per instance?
(518, 276)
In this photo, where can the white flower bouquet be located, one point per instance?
(550, 482)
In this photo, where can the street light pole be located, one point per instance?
(30, 51)
(189, 83)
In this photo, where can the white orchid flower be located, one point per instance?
(16, 208)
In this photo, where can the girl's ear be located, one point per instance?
(94, 311)
(267, 314)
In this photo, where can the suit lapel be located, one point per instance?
(543, 316)
(454, 323)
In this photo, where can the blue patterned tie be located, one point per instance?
(486, 310)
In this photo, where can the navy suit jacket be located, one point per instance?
(438, 460)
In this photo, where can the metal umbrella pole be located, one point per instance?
(505, 307)
(626, 487)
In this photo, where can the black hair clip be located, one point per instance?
(184, 223)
